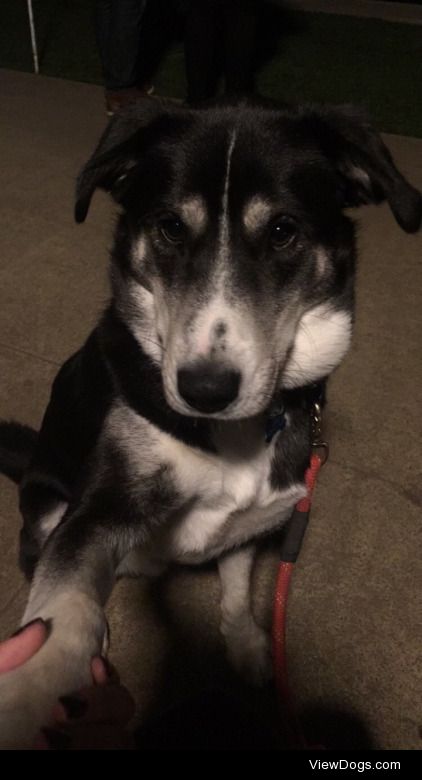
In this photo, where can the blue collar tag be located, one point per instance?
(276, 422)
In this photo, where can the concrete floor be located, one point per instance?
(356, 605)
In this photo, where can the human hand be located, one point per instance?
(20, 647)
(94, 718)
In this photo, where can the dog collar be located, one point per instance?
(314, 399)
(275, 422)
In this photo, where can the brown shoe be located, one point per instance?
(117, 99)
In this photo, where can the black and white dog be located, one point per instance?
(232, 281)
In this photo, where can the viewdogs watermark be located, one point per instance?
(360, 766)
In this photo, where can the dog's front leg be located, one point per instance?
(248, 645)
(71, 584)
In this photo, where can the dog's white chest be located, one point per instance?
(232, 501)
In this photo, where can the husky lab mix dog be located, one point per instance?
(232, 280)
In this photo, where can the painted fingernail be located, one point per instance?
(57, 740)
(23, 628)
(73, 706)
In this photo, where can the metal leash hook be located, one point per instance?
(319, 446)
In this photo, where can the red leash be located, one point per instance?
(289, 552)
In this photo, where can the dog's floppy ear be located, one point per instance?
(122, 145)
(365, 167)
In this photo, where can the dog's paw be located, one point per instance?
(249, 651)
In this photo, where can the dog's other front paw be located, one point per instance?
(249, 650)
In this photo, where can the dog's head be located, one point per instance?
(234, 263)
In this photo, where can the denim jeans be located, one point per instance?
(118, 27)
(219, 41)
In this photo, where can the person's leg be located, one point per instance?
(239, 45)
(102, 29)
(118, 26)
(200, 49)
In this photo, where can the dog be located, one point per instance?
(232, 279)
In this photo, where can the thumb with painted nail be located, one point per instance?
(24, 644)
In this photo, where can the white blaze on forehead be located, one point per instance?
(256, 213)
(194, 213)
(224, 234)
(217, 310)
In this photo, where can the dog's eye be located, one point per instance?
(172, 229)
(283, 233)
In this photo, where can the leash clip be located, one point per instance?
(319, 446)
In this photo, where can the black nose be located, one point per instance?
(206, 387)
